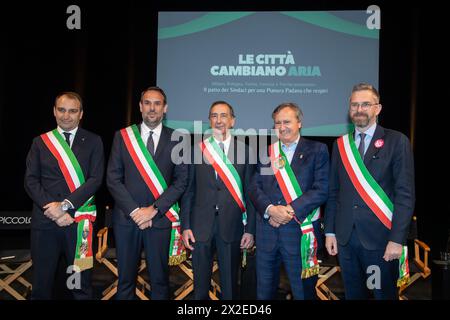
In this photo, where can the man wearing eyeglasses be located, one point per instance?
(371, 201)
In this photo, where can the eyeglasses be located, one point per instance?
(364, 105)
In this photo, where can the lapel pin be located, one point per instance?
(379, 143)
(301, 156)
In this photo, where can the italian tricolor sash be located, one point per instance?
(155, 182)
(230, 177)
(371, 192)
(291, 190)
(86, 214)
(226, 171)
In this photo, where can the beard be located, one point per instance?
(152, 122)
(360, 120)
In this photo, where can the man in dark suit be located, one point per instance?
(212, 218)
(282, 217)
(55, 201)
(142, 212)
(371, 200)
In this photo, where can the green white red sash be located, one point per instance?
(155, 182)
(371, 192)
(86, 214)
(291, 190)
(226, 171)
(230, 177)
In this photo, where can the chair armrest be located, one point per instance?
(422, 244)
(102, 235)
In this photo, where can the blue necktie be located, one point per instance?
(362, 146)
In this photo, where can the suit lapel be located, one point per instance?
(298, 153)
(232, 151)
(372, 150)
(165, 136)
(78, 142)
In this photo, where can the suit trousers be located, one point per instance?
(47, 245)
(129, 241)
(228, 255)
(364, 270)
(268, 265)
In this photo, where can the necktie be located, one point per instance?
(362, 145)
(151, 144)
(67, 135)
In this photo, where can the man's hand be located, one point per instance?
(247, 241)
(65, 220)
(144, 215)
(393, 251)
(53, 211)
(331, 245)
(188, 237)
(273, 223)
(290, 209)
(146, 225)
(280, 214)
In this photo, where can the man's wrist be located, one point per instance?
(66, 205)
(266, 213)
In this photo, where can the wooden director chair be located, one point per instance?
(188, 286)
(106, 255)
(327, 271)
(418, 267)
(15, 262)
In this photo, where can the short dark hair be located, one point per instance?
(291, 105)
(155, 88)
(366, 86)
(222, 102)
(71, 95)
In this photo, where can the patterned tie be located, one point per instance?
(67, 135)
(362, 145)
(151, 144)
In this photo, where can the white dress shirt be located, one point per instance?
(145, 131)
(72, 134)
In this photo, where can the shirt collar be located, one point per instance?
(73, 131)
(156, 131)
(369, 132)
(225, 142)
(293, 145)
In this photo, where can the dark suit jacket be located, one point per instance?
(45, 183)
(310, 164)
(204, 192)
(392, 167)
(128, 188)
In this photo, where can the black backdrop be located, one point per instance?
(113, 57)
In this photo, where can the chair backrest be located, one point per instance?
(109, 224)
(413, 234)
(15, 229)
(15, 220)
(108, 217)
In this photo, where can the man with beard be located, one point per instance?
(371, 201)
(146, 184)
(216, 214)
